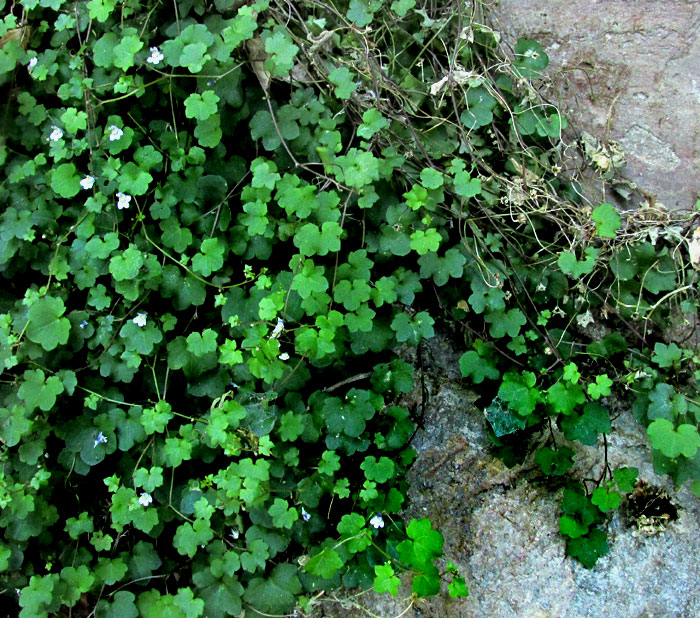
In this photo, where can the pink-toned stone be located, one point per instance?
(627, 71)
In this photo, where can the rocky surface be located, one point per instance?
(628, 71)
(501, 526)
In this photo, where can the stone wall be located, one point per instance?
(628, 71)
(501, 526)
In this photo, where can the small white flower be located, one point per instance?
(234, 534)
(87, 182)
(56, 134)
(376, 522)
(32, 63)
(304, 515)
(101, 439)
(140, 320)
(277, 331)
(123, 200)
(155, 57)
(145, 499)
(284, 356)
(115, 133)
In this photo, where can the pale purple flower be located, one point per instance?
(115, 133)
(140, 320)
(87, 182)
(377, 522)
(56, 134)
(101, 439)
(145, 499)
(277, 331)
(155, 57)
(123, 200)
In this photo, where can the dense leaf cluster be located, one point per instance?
(223, 221)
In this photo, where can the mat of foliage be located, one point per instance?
(220, 222)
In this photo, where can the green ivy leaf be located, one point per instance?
(133, 180)
(154, 420)
(194, 56)
(65, 180)
(352, 529)
(569, 526)
(607, 220)
(188, 537)
(422, 546)
(242, 27)
(672, 441)
(402, 7)
(413, 330)
(518, 392)
(505, 323)
(565, 397)
(625, 478)
(344, 81)
(208, 132)
(601, 387)
(101, 9)
(358, 168)
(361, 12)
(442, 268)
(477, 368)
(74, 120)
(380, 471)
(312, 240)
(329, 464)
(201, 344)
(125, 50)
(283, 516)
(324, 564)
(606, 500)
(45, 325)
(466, 186)
(423, 241)
(530, 58)
(201, 106)
(77, 581)
(587, 549)
(555, 463)
(174, 236)
(478, 113)
(431, 178)
(275, 594)
(586, 427)
(36, 392)
(372, 122)
(282, 52)
(571, 373)
(210, 258)
(667, 355)
(110, 571)
(457, 587)
(570, 266)
(385, 580)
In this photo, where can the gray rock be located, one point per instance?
(501, 525)
(627, 71)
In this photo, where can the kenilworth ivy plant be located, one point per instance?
(221, 222)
